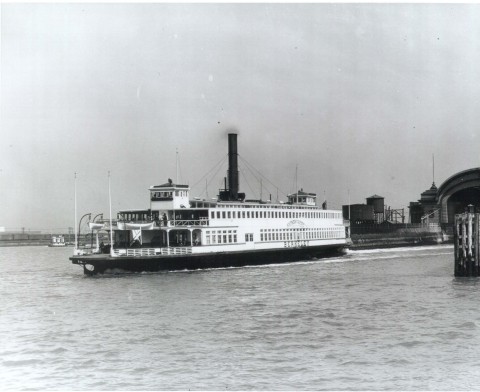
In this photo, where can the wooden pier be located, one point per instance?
(467, 243)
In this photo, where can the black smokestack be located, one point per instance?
(232, 166)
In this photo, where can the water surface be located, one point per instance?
(381, 319)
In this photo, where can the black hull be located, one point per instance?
(99, 264)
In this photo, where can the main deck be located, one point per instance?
(102, 263)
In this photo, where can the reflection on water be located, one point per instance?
(379, 319)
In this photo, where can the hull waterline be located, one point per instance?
(99, 264)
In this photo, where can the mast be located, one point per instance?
(433, 168)
(75, 198)
(349, 218)
(110, 205)
(296, 183)
(176, 166)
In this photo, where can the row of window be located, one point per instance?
(273, 214)
(300, 234)
(267, 206)
(168, 194)
(220, 237)
(230, 236)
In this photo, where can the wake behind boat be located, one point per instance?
(177, 233)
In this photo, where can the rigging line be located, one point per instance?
(201, 194)
(252, 173)
(220, 184)
(254, 194)
(258, 179)
(214, 167)
(205, 190)
(213, 177)
(266, 178)
(251, 168)
(217, 166)
(245, 178)
(262, 185)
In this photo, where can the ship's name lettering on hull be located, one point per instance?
(295, 244)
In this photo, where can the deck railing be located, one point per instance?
(134, 252)
(169, 223)
(189, 222)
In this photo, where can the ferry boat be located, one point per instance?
(177, 233)
(57, 241)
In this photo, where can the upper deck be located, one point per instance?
(206, 213)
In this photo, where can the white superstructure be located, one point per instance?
(176, 232)
(200, 226)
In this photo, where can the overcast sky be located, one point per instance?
(358, 96)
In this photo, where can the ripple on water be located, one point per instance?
(378, 320)
(468, 325)
(411, 344)
(21, 362)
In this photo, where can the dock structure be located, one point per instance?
(467, 243)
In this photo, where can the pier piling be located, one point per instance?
(467, 243)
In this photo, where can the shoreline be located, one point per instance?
(374, 241)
